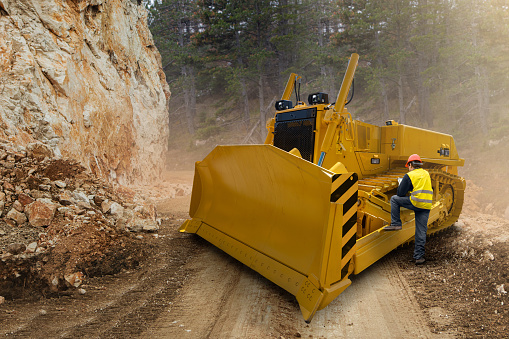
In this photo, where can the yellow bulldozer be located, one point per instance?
(307, 208)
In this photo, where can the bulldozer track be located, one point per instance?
(448, 189)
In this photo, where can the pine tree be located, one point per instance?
(172, 24)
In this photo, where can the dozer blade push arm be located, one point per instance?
(332, 117)
(290, 86)
(347, 83)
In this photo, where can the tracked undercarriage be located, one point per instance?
(374, 212)
(448, 193)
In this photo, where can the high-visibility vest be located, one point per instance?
(422, 194)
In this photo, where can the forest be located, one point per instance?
(436, 64)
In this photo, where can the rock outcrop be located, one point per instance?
(84, 77)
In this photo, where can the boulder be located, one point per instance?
(10, 222)
(8, 186)
(121, 224)
(113, 208)
(18, 217)
(84, 205)
(40, 212)
(179, 192)
(147, 211)
(74, 279)
(32, 247)
(150, 226)
(25, 199)
(60, 184)
(116, 210)
(16, 248)
(39, 150)
(18, 206)
(135, 225)
(91, 199)
(66, 211)
(98, 200)
(46, 188)
(65, 198)
(36, 194)
(81, 199)
(80, 196)
(18, 156)
(7, 164)
(106, 205)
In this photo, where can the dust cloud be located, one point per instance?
(487, 173)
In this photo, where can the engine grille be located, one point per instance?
(296, 130)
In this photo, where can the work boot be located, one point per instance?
(420, 261)
(392, 228)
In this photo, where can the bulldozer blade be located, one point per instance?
(288, 219)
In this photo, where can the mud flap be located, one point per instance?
(288, 219)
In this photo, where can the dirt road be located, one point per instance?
(193, 290)
(224, 299)
(187, 288)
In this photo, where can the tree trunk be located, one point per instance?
(282, 58)
(402, 111)
(422, 65)
(424, 108)
(261, 99)
(326, 71)
(481, 84)
(245, 99)
(383, 88)
(260, 64)
(189, 97)
(399, 69)
(242, 80)
(187, 88)
(483, 99)
(192, 93)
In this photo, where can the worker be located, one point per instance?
(418, 182)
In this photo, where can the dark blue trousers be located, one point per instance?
(421, 222)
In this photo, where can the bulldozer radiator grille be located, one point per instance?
(296, 130)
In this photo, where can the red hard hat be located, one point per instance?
(413, 157)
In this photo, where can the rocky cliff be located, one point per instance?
(84, 77)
